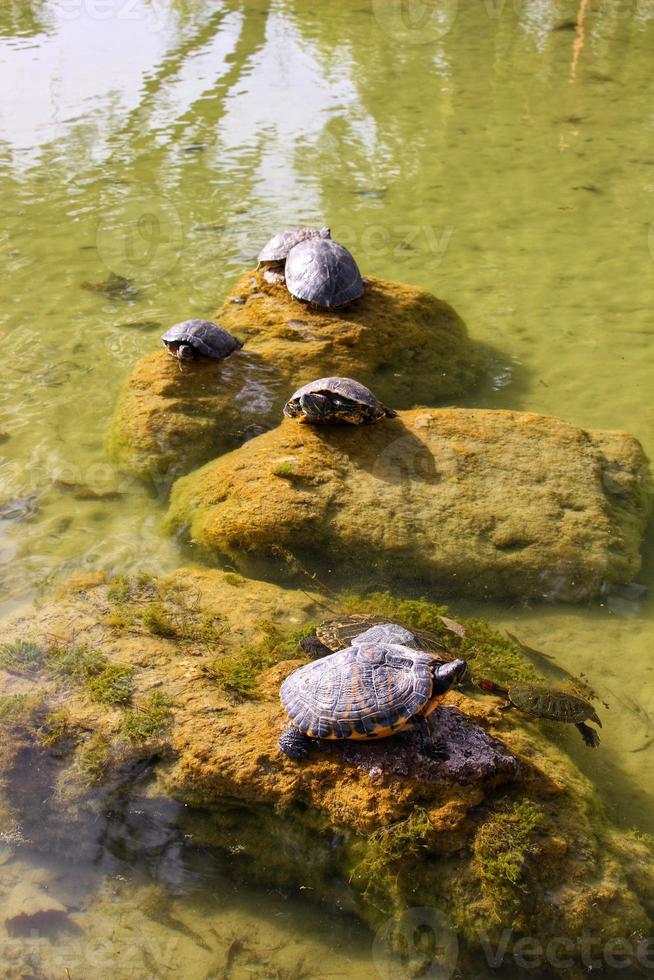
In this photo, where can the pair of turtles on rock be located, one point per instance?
(376, 678)
(313, 267)
(326, 401)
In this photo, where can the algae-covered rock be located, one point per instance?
(171, 417)
(489, 503)
(506, 836)
(407, 345)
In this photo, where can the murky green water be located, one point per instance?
(500, 154)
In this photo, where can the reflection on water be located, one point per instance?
(499, 154)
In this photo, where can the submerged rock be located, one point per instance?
(489, 503)
(172, 417)
(407, 345)
(507, 836)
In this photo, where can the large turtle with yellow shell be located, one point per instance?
(370, 690)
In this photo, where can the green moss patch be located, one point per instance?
(501, 849)
(149, 719)
(104, 681)
(237, 673)
(21, 657)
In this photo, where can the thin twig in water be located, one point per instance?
(293, 563)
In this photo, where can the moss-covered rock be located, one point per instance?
(509, 852)
(171, 417)
(477, 502)
(407, 345)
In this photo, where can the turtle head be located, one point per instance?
(316, 407)
(447, 676)
(185, 352)
(325, 233)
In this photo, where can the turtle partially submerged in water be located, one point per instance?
(199, 338)
(369, 690)
(332, 400)
(336, 634)
(323, 273)
(273, 255)
(551, 704)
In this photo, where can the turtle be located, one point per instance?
(199, 338)
(323, 273)
(369, 690)
(272, 257)
(550, 703)
(332, 400)
(336, 634)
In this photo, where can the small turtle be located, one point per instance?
(369, 690)
(331, 400)
(336, 634)
(323, 273)
(551, 704)
(272, 256)
(199, 338)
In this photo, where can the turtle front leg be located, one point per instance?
(294, 743)
(430, 745)
(589, 735)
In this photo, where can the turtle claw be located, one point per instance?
(589, 735)
(294, 743)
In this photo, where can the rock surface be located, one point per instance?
(407, 345)
(477, 502)
(377, 828)
(171, 417)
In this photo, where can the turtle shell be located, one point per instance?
(277, 249)
(206, 337)
(545, 702)
(339, 633)
(322, 272)
(346, 387)
(369, 690)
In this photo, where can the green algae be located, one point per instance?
(21, 710)
(487, 652)
(385, 857)
(113, 685)
(21, 657)
(237, 673)
(156, 619)
(150, 718)
(94, 757)
(501, 849)
(104, 681)
(56, 729)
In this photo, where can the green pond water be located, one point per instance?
(500, 154)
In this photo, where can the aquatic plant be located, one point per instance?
(119, 589)
(57, 727)
(94, 758)
(237, 672)
(385, 854)
(21, 657)
(105, 682)
(113, 685)
(21, 709)
(156, 619)
(150, 718)
(500, 852)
